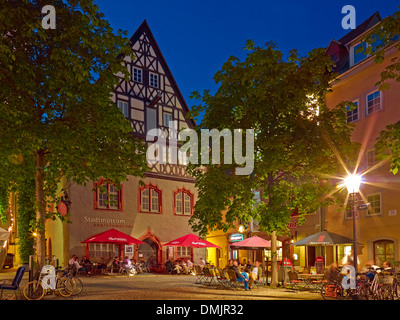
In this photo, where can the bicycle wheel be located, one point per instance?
(33, 290)
(65, 287)
(78, 285)
(331, 291)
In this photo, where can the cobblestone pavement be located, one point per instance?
(167, 287)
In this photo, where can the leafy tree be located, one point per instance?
(55, 99)
(383, 35)
(295, 138)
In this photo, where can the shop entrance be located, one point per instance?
(149, 251)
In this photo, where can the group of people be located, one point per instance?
(181, 266)
(349, 272)
(130, 265)
(84, 265)
(251, 272)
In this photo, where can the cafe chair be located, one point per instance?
(295, 283)
(13, 286)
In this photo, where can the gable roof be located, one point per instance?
(366, 25)
(144, 28)
(340, 48)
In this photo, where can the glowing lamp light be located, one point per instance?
(352, 183)
(241, 228)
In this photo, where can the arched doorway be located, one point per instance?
(151, 250)
(148, 250)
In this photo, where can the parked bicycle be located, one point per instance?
(48, 283)
(66, 273)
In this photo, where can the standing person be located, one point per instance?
(242, 277)
(254, 271)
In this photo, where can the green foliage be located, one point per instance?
(4, 195)
(26, 215)
(294, 144)
(385, 33)
(56, 111)
(387, 145)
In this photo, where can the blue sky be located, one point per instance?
(197, 37)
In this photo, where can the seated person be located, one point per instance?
(169, 266)
(115, 264)
(242, 277)
(77, 267)
(178, 268)
(254, 274)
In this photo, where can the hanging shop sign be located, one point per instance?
(236, 237)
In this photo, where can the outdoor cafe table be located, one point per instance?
(312, 281)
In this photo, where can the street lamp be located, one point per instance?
(352, 183)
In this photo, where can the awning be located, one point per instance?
(324, 238)
(112, 236)
(255, 243)
(191, 240)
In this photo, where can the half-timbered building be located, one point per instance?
(156, 212)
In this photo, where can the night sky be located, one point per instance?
(197, 37)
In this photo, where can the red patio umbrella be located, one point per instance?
(255, 243)
(191, 240)
(112, 236)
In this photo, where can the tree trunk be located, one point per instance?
(40, 206)
(274, 253)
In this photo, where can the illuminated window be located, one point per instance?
(149, 199)
(183, 252)
(384, 251)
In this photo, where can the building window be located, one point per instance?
(154, 80)
(375, 204)
(150, 199)
(123, 106)
(371, 158)
(137, 75)
(383, 251)
(167, 118)
(99, 252)
(358, 53)
(183, 202)
(107, 196)
(151, 119)
(348, 214)
(374, 102)
(352, 112)
(183, 252)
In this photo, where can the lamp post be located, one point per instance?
(352, 183)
